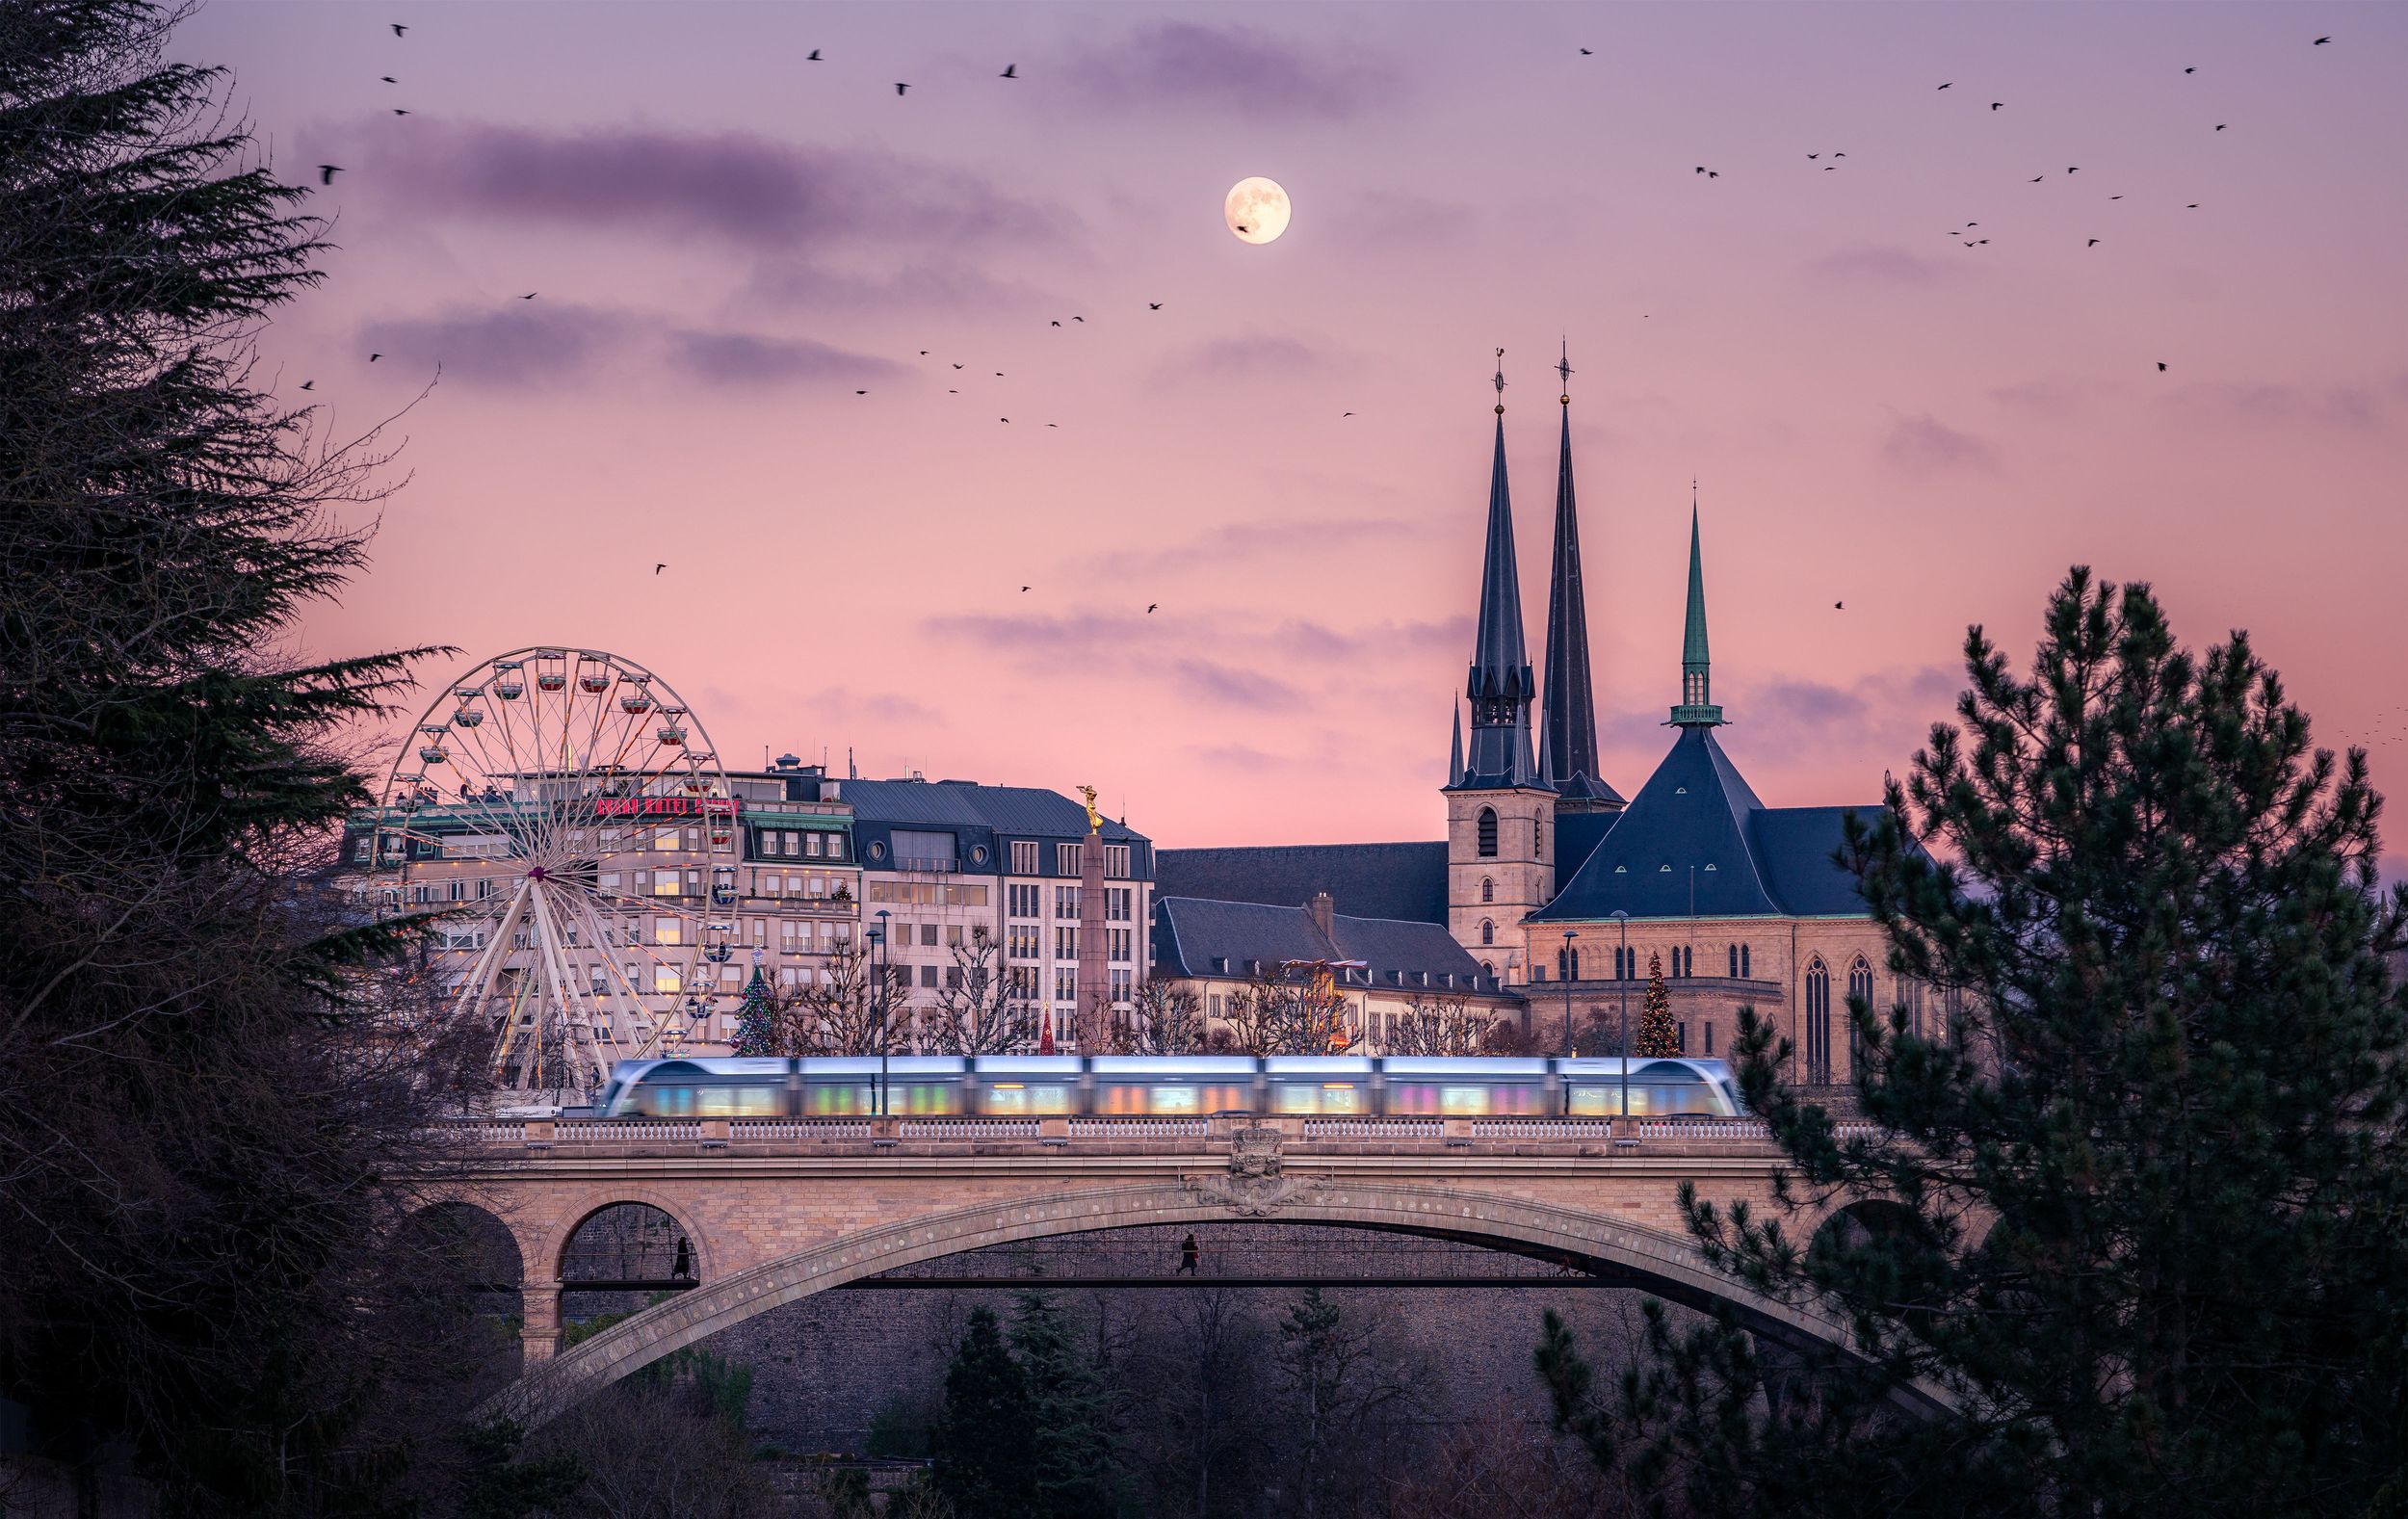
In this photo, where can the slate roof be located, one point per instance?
(1403, 881)
(1027, 811)
(1195, 937)
(1697, 820)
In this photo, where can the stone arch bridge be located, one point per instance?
(777, 1210)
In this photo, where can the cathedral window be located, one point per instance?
(1818, 1023)
(1488, 833)
(1734, 962)
(1745, 971)
(1487, 889)
(1487, 931)
(1859, 989)
(1538, 837)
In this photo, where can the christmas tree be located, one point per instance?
(1657, 1034)
(756, 1018)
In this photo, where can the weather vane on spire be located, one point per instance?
(1501, 381)
(1563, 367)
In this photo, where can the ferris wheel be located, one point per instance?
(562, 812)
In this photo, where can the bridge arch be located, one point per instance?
(551, 1250)
(1669, 1264)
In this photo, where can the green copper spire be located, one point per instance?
(1696, 709)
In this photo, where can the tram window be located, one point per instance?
(1028, 1099)
(735, 1102)
(837, 1099)
(1318, 1097)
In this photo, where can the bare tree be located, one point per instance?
(1440, 1024)
(982, 1008)
(1164, 1018)
(843, 1010)
(1289, 1010)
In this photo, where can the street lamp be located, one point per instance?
(1622, 974)
(880, 958)
(1568, 1049)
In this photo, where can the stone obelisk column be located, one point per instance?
(1095, 988)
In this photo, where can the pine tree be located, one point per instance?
(205, 1146)
(1072, 1453)
(1656, 1035)
(756, 1018)
(983, 1441)
(2136, 1214)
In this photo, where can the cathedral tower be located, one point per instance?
(1500, 812)
(1567, 756)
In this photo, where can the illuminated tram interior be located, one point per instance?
(1166, 1086)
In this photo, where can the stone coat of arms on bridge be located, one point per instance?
(1255, 1183)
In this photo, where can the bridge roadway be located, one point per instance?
(776, 1210)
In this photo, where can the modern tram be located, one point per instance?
(1166, 1087)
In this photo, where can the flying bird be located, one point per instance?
(1584, 52)
(1150, 606)
(1002, 419)
(924, 353)
(2037, 178)
(1078, 319)
(1714, 174)
(2320, 42)
(2190, 71)
(1010, 72)
(1995, 104)
(1838, 606)
(2193, 207)
(389, 79)
(373, 357)
(815, 57)
(327, 171)
(310, 384)
(1056, 324)
(1811, 157)
(1243, 228)
(860, 392)
(1950, 81)
(398, 110)
(900, 87)
(2093, 242)
(1052, 424)
(657, 568)
(2219, 127)
(1024, 591)
(1153, 305)
(2072, 168)
(2160, 366)
(957, 366)
(1346, 414)
(398, 28)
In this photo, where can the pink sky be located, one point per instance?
(728, 241)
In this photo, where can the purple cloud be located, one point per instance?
(2351, 407)
(1241, 358)
(940, 286)
(1924, 445)
(1401, 219)
(734, 186)
(1234, 687)
(1235, 69)
(512, 345)
(1873, 264)
(737, 358)
(1252, 539)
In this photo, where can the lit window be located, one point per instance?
(665, 931)
(666, 839)
(664, 979)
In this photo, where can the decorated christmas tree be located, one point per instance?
(1657, 1034)
(756, 1018)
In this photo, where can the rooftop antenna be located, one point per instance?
(851, 773)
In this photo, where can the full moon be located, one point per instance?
(1257, 209)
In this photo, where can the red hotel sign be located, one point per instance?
(664, 806)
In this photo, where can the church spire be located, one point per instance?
(1455, 758)
(1500, 685)
(1568, 716)
(1696, 709)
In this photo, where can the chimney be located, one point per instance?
(1324, 916)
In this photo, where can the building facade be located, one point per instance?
(1061, 893)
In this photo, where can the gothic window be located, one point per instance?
(1734, 962)
(1487, 889)
(1487, 931)
(1488, 833)
(1859, 989)
(1538, 837)
(1818, 1031)
(1745, 971)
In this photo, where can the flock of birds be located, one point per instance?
(1012, 72)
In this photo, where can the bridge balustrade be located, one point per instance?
(1138, 1128)
(1374, 1128)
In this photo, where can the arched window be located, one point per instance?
(1817, 1014)
(1538, 837)
(1487, 931)
(1746, 971)
(1734, 962)
(1487, 889)
(1859, 989)
(1487, 969)
(1488, 833)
